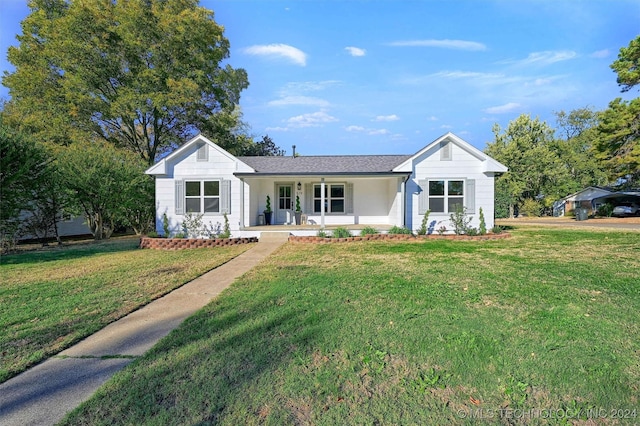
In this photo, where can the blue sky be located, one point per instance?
(388, 77)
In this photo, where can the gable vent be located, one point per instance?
(445, 151)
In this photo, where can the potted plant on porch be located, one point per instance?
(298, 213)
(267, 211)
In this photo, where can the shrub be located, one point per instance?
(153, 234)
(368, 230)
(570, 213)
(460, 220)
(226, 233)
(322, 233)
(400, 230)
(442, 230)
(341, 232)
(496, 229)
(605, 210)
(423, 226)
(471, 231)
(192, 225)
(165, 225)
(531, 208)
(483, 224)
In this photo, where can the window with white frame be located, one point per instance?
(202, 196)
(444, 195)
(334, 198)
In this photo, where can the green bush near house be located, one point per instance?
(399, 230)
(368, 230)
(341, 232)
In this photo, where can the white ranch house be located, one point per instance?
(353, 190)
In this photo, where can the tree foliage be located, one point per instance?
(578, 134)
(627, 66)
(535, 170)
(108, 185)
(618, 145)
(142, 74)
(264, 147)
(24, 170)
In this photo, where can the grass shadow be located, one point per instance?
(214, 364)
(71, 251)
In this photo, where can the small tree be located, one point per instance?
(104, 183)
(460, 220)
(483, 224)
(425, 221)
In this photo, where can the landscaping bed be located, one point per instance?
(187, 243)
(397, 237)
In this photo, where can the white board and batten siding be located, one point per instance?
(448, 160)
(198, 161)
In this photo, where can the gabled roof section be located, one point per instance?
(488, 163)
(324, 164)
(160, 168)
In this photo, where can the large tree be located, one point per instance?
(577, 134)
(618, 145)
(25, 168)
(142, 74)
(535, 170)
(627, 66)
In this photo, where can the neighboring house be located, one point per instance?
(67, 226)
(592, 198)
(385, 190)
(583, 199)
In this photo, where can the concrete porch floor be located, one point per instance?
(314, 228)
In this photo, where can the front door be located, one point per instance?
(284, 204)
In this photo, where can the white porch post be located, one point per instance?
(242, 212)
(322, 201)
(403, 201)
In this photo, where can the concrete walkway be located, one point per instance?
(44, 394)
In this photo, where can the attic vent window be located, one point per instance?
(203, 153)
(445, 151)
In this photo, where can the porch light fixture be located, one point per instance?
(299, 186)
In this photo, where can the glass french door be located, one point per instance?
(284, 204)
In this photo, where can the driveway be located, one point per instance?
(622, 223)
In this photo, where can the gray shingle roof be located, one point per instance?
(325, 164)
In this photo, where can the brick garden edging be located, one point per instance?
(398, 237)
(187, 243)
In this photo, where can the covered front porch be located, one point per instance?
(325, 202)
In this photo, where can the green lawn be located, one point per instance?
(53, 298)
(434, 332)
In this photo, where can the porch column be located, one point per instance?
(403, 201)
(242, 212)
(322, 201)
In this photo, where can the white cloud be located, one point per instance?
(368, 131)
(277, 129)
(299, 100)
(378, 132)
(502, 109)
(445, 44)
(600, 54)
(391, 117)
(291, 53)
(433, 118)
(545, 58)
(355, 51)
(296, 87)
(314, 119)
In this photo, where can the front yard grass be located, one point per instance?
(51, 299)
(434, 332)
